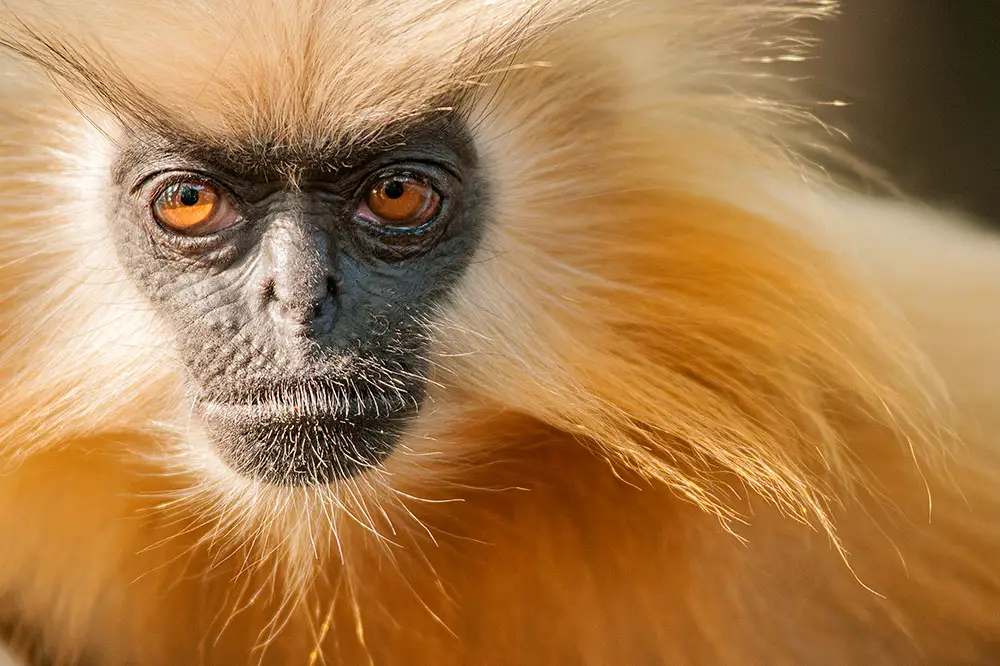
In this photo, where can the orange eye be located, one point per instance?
(193, 209)
(401, 201)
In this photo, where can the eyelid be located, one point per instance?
(437, 177)
(160, 180)
(395, 163)
(158, 183)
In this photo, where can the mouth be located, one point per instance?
(308, 434)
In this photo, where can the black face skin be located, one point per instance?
(300, 325)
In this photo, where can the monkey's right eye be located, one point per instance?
(193, 209)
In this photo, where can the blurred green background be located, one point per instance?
(923, 81)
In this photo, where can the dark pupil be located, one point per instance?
(394, 189)
(189, 195)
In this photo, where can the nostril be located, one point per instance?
(329, 295)
(333, 286)
(267, 292)
(309, 306)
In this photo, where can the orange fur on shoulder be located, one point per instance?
(688, 406)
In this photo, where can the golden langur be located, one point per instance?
(471, 333)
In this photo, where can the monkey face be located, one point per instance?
(296, 285)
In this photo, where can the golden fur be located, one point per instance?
(691, 405)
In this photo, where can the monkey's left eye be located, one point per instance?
(193, 209)
(400, 202)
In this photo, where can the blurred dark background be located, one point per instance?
(923, 81)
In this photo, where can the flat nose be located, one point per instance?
(299, 285)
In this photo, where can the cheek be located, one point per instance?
(221, 337)
(168, 277)
(203, 314)
(191, 293)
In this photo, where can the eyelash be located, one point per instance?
(158, 181)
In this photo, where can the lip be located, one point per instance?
(315, 439)
(318, 406)
(268, 411)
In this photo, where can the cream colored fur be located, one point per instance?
(691, 405)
